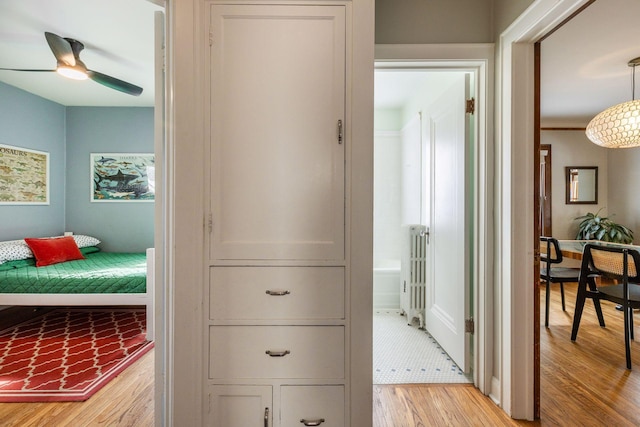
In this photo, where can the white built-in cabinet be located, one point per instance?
(277, 329)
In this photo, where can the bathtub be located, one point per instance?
(386, 285)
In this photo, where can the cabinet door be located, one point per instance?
(277, 81)
(240, 406)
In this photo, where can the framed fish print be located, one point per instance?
(122, 177)
(24, 176)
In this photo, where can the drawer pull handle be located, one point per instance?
(278, 293)
(281, 353)
(315, 422)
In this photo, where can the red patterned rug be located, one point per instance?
(69, 354)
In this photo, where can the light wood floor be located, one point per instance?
(127, 400)
(582, 384)
(586, 381)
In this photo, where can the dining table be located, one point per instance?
(573, 248)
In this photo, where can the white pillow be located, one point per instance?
(14, 250)
(83, 241)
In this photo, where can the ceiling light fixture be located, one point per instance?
(75, 72)
(618, 126)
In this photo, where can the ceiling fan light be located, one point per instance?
(617, 126)
(75, 73)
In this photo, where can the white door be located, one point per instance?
(448, 213)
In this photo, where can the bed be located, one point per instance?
(94, 278)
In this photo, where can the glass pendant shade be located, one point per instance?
(617, 126)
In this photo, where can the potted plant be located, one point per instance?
(595, 227)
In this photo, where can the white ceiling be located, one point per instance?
(118, 37)
(583, 66)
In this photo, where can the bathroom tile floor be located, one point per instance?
(403, 354)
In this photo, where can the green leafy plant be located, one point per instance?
(595, 227)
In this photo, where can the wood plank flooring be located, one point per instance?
(417, 405)
(582, 384)
(586, 381)
(125, 401)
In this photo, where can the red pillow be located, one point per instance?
(54, 250)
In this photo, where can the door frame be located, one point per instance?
(476, 58)
(515, 193)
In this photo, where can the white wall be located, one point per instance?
(387, 208)
(572, 148)
(624, 178)
(411, 170)
(386, 198)
(387, 119)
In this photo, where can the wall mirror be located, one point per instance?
(582, 185)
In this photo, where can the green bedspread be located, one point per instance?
(99, 273)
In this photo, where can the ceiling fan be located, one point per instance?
(67, 52)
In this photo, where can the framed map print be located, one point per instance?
(122, 177)
(24, 176)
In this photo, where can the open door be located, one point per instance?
(449, 200)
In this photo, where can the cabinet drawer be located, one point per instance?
(312, 406)
(276, 293)
(307, 352)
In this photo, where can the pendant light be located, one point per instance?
(618, 126)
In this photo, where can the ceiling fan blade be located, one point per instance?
(114, 83)
(61, 49)
(24, 69)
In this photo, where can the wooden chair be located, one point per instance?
(550, 254)
(620, 264)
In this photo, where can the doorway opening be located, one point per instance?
(423, 164)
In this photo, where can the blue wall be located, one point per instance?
(70, 134)
(122, 226)
(28, 121)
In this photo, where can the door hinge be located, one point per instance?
(210, 39)
(469, 325)
(210, 223)
(470, 107)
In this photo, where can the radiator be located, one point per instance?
(413, 273)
